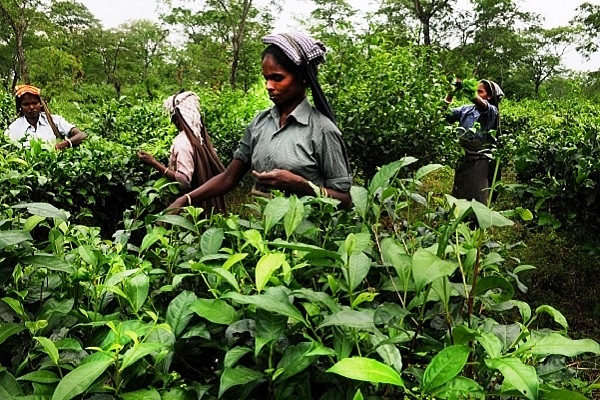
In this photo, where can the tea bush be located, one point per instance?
(302, 301)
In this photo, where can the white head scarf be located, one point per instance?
(188, 104)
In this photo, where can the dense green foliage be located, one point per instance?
(104, 296)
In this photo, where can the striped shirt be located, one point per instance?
(309, 145)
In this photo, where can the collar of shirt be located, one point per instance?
(301, 113)
(42, 121)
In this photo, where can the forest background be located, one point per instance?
(131, 302)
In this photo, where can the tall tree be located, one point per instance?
(18, 15)
(228, 24)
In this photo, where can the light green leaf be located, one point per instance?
(49, 347)
(50, 262)
(80, 379)
(215, 310)
(488, 218)
(274, 299)
(144, 394)
(265, 268)
(358, 268)
(234, 355)
(350, 319)
(137, 290)
(137, 352)
(234, 259)
(8, 329)
(148, 241)
(459, 388)
(41, 376)
(237, 376)
(11, 238)
(446, 365)
(274, 211)
(179, 313)
(177, 220)
(366, 369)
(294, 216)
(428, 267)
(43, 210)
(554, 343)
(554, 313)
(211, 241)
(387, 172)
(427, 169)
(360, 199)
(522, 377)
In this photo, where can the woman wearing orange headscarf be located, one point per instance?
(35, 122)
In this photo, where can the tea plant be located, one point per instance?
(404, 297)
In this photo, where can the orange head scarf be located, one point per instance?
(20, 90)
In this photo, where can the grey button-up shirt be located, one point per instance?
(309, 144)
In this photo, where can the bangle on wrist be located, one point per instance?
(70, 143)
(189, 199)
(324, 192)
(166, 170)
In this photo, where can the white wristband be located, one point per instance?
(70, 143)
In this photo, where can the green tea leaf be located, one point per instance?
(8, 329)
(179, 313)
(214, 310)
(41, 376)
(522, 377)
(137, 290)
(237, 376)
(49, 347)
(559, 318)
(274, 211)
(366, 369)
(294, 216)
(80, 379)
(554, 343)
(43, 210)
(137, 352)
(211, 241)
(427, 267)
(11, 238)
(144, 394)
(446, 365)
(50, 262)
(265, 268)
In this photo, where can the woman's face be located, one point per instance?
(284, 88)
(30, 106)
(482, 91)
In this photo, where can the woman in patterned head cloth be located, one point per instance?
(474, 176)
(292, 147)
(36, 122)
(193, 159)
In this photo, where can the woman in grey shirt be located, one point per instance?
(292, 144)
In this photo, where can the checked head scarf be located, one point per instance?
(308, 52)
(188, 105)
(497, 92)
(298, 47)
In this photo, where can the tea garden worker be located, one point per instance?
(36, 122)
(293, 144)
(475, 173)
(193, 160)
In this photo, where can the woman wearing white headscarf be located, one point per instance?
(293, 146)
(475, 173)
(193, 159)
